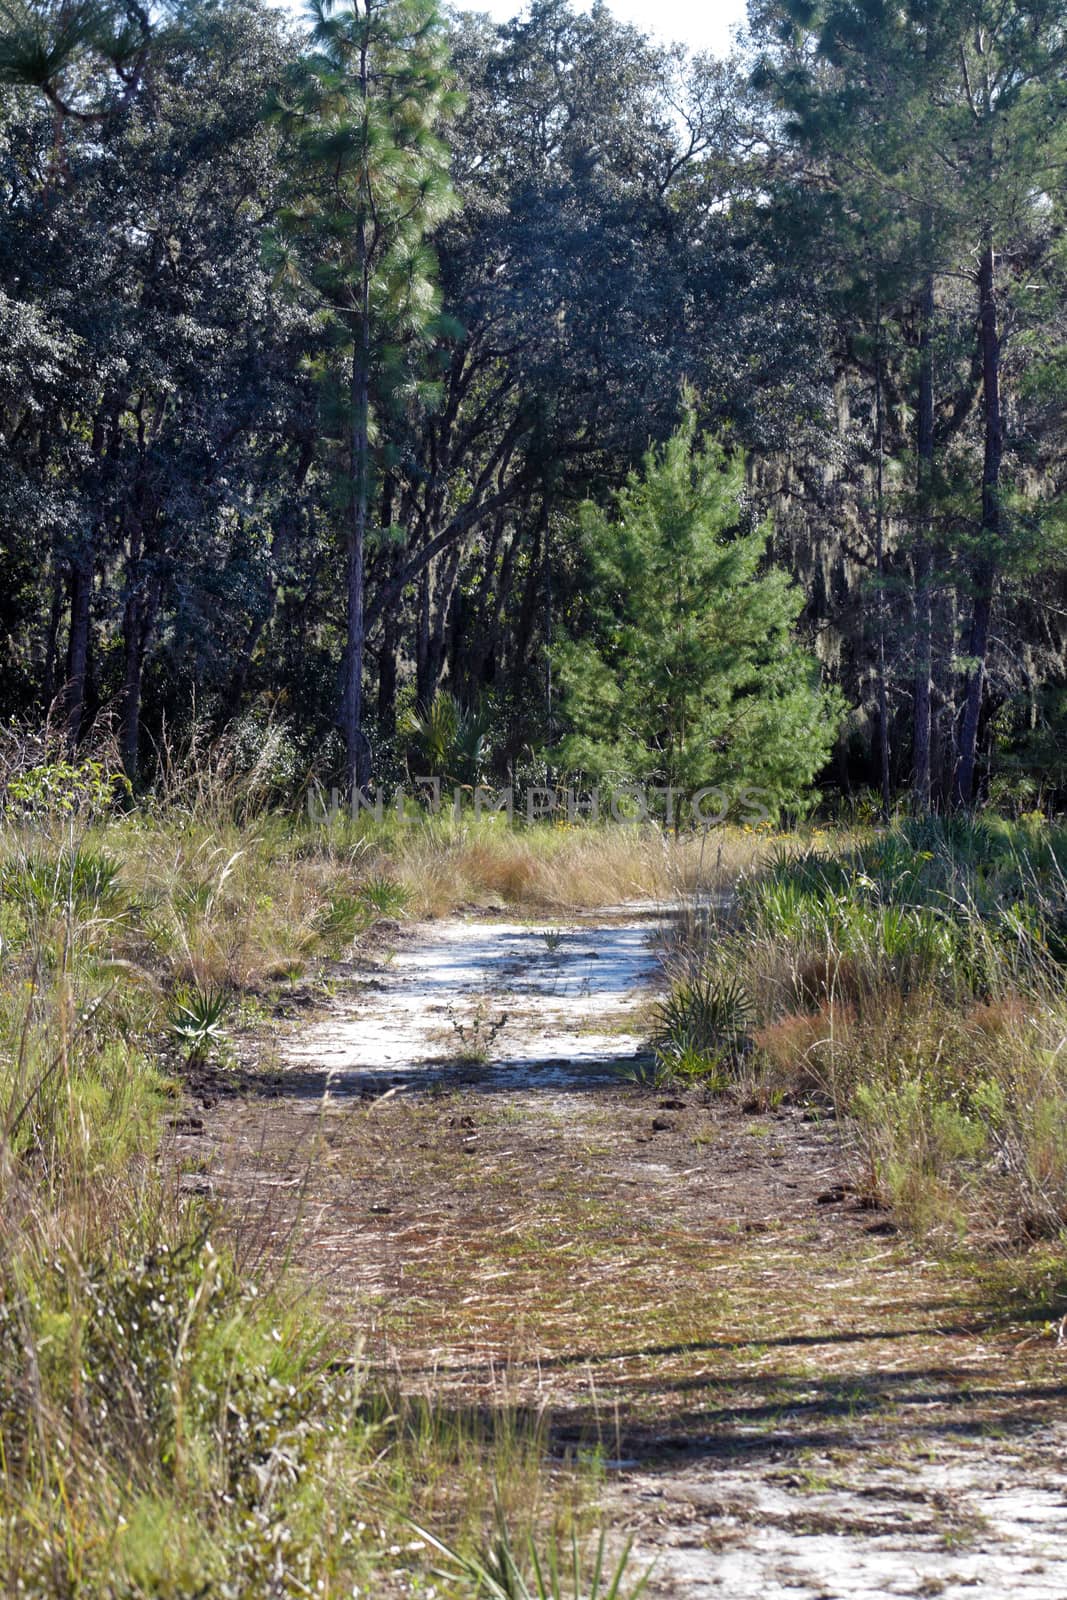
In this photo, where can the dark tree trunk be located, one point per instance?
(139, 615)
(985, 569)
(943, 760)
(256, 628)
(133, 653)
(422, 640)
(923, 567)
(879, 554)
(74, 691)
(387, 677)
(527, 611)
(443, 598)
(387, 653)
(474, 630)
(357, 749)
(51, 648)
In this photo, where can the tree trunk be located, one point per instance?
(387, 677)
(527, 611)
(256, 628)
(139, 615)
(946, 685)
(422, 640)
(443, 598)
(357, 749)
(133, 652)
(985, 569)
(51, 649)
(81, 591)
(923, 567)
(473, 632)
(879, 554)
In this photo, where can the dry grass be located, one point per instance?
(555, 868)
(915, 982)
(144, 1448)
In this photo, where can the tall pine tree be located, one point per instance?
(370, 184)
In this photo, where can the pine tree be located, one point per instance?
(691, 674)
(941, 120)
(371, 183)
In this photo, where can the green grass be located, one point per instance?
(915, 981)
(168, 1424)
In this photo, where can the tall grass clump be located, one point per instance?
(163, 1424)
(914, 981)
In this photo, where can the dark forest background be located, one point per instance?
(312, 344)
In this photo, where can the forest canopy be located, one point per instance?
(316, 339)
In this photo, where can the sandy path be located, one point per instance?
(790, 1400)
(559, 988)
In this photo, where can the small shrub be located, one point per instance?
(383, 897)
(82, 878)
(64, 789)
(342, 920)
(699, 1029)
(502, 1572)
(477, 1034)
(195, 1020)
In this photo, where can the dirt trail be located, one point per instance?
(790, 1401)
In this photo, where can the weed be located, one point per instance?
(699, 1029)
(195, 1020)
(499, 1572)
(344, 917)
(383, 897)
(477, 1033)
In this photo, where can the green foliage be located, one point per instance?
(342, 919)
(73, 50)
(923, 134)
(195, 1020)
(500, 1572)
(370, 183)
(348, 912)
(363, 111)
(691, 676)
(204, 1399)
(170, 1423)
(384, 897)
(65, 789)
(449, 740)
(947, 900)
(913, 977)
(83, 878)
(700, 1027)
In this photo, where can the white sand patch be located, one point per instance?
(569, 994)
(975, 1525)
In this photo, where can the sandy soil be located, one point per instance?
(788, 1399)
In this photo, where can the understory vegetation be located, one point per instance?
(176, 1417)
(912, 982)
